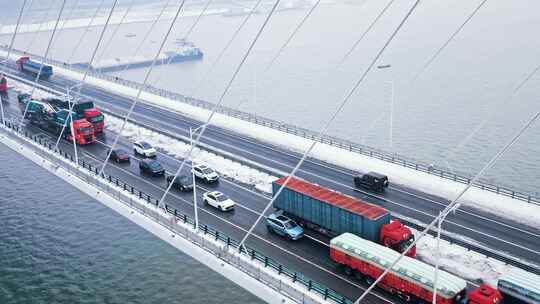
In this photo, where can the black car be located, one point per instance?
(119, 155)
(372, 180)
(182, 182)
(151, 166)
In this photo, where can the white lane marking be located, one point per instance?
(244, 230)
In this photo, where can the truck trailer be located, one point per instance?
(25, 64)
(410, 279)
(46, 117)
(85, 109)
(333, 213)
(413, 280)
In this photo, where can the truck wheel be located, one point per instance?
(348, 270)
(358, 275)
(369, 280)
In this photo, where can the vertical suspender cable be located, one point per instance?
(190, 30)
(138, 97)
(106, 47)
(10, 48)
(44, 59)
(150, 29)
(353, 47)
(445, 44)
(322, 132)
(225, 48)
(282, 48)
(81, 38)
(222, 97)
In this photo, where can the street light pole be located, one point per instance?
(194, 185)
(72, 129)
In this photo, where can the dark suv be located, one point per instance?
(151, 166)
(182, 182)
(372, 180)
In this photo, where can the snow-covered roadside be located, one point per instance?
(467, 264)
(476, 198)
(24, 88)
(177, 149)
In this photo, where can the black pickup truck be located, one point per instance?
(372, 180)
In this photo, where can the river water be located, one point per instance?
(58, 245)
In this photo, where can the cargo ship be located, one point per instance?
(185, 51)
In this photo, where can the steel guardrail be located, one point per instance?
(306, 133)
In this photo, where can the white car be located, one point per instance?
(143, 148)
(205, 173)
(218, 200)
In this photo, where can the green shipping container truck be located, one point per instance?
(333, 213)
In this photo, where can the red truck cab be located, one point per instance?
(398, 237)
(96, 118)
(83, 132)
(20, 62)
(3, 84)
(485, 294)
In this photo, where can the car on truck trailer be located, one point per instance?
(26, 65)
(333, 213)
(45, 116)
(84, 108)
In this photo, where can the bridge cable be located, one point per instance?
(146, 35)
(82, 82)
(322, 132)
(41, 24)
(44, 59)
(225, 48)
(108, 43)
(492, 113)
(220, 101)
(445, 44)
(190, 30)
(368, 29)
(83, 35)
(68, 17)
(9, 52)
(138, 97)
(298, 26)
(454, 204)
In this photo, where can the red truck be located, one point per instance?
(413, 280)
(333, 213)
(84, 109)
(3, 84)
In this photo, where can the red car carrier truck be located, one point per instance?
(333, 213)
(84, 108)
(410, 279)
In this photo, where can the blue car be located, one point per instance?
(284, 226)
